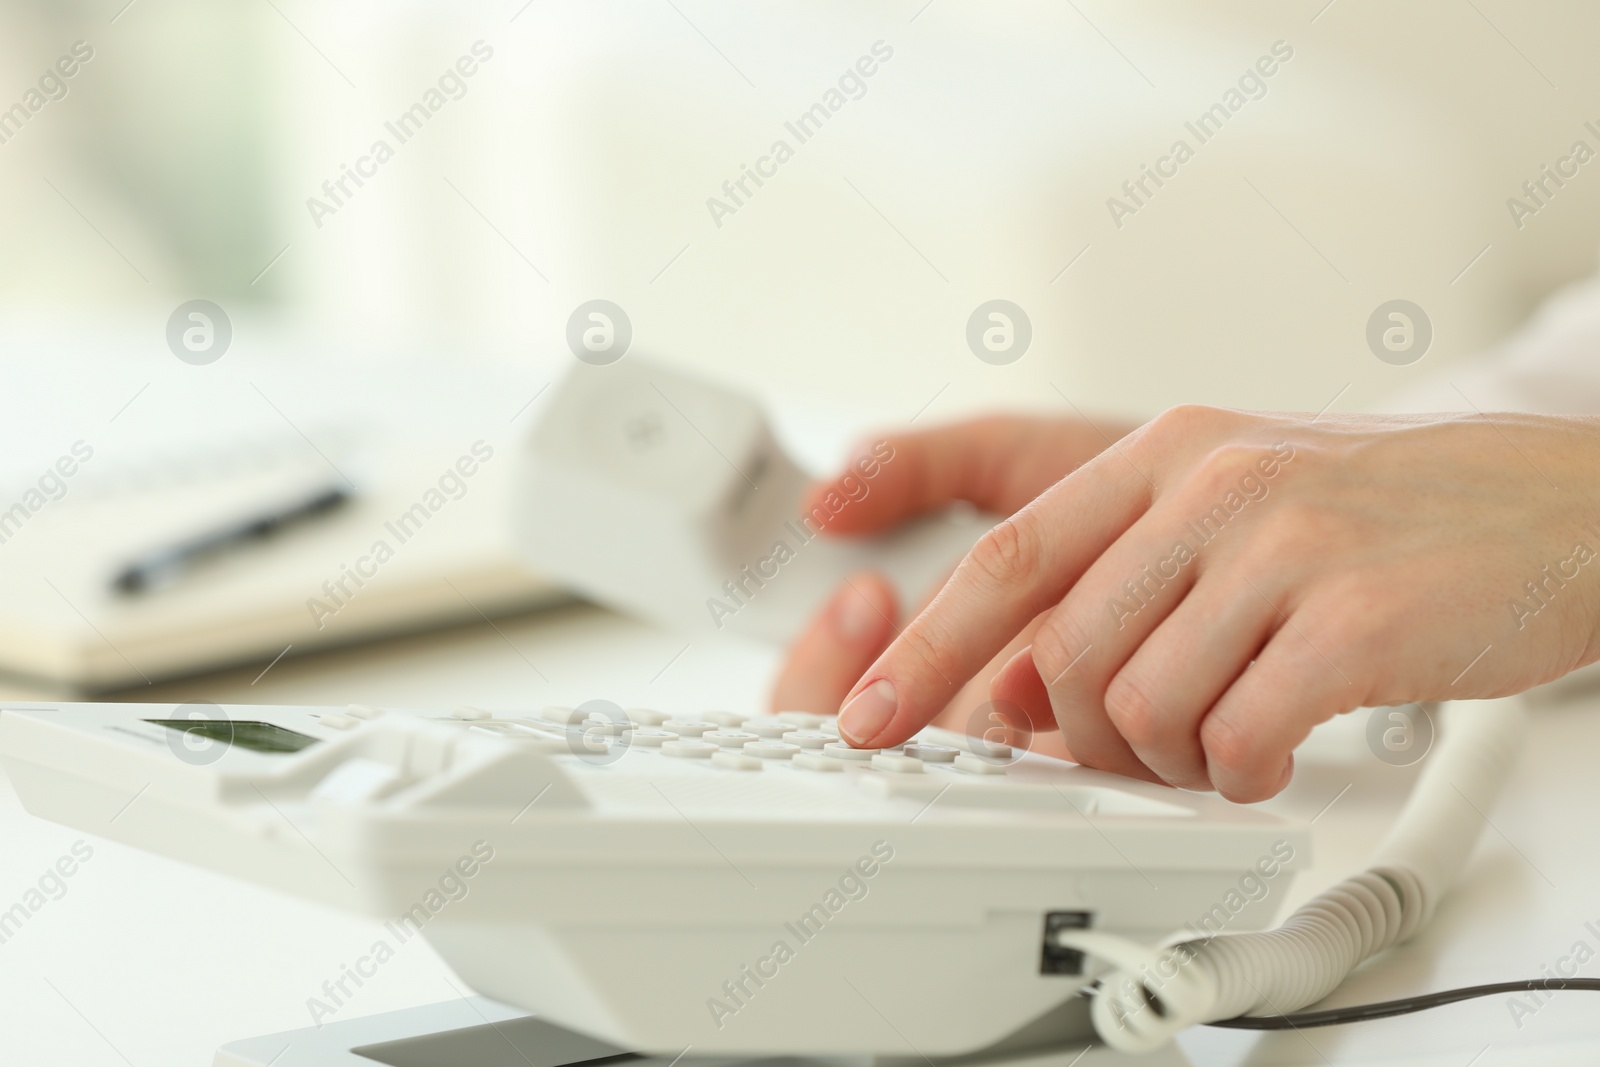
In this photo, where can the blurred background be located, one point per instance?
(377, 335)
(197, 149)
(977, 165)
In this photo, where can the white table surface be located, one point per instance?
(144, 961)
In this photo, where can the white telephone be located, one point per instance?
(668, 497)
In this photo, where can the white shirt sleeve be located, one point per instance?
(1550, 366)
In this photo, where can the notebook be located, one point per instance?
(109, 454)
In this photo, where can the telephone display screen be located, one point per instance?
(245, 733)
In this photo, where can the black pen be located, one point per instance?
(164, 565)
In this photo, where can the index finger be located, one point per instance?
(1020, 568)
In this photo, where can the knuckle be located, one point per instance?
(1177, 440)
(1229, 747)
(1184, 419)
(1009, 553)
(1229, 462)
(1220, 482)
(1058, 644)
(1133, 712)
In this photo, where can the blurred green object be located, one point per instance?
(175, 117)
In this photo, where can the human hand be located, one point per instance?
(998, 464)
(1222, 581)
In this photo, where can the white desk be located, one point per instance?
(145, 962)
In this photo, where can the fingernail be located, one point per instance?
(865, 717)
(857, 618)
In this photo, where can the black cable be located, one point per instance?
(1383, 1010)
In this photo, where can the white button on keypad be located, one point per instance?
(888, 761)
(734, 739)
(650, 737)
(603, 726)
(989, 749)
(966, 761)
(728, 720)
(363, 711)
(340, 722)
(808, 738)
(648, 716)
(688, 727)
(772, 750)
(816, 761)
(803, 720)
(840, 750)
(736, 761)
(932, 753)
(767, 727)
(688, 749)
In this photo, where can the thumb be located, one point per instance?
(843, 639)
(996, 463)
